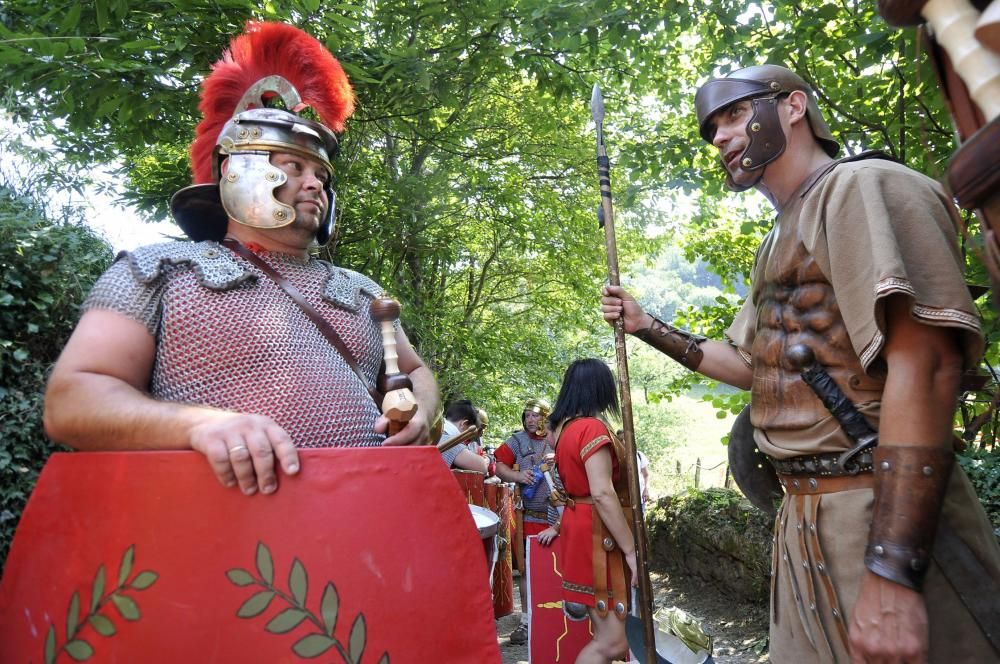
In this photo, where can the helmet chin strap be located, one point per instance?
(732, 186)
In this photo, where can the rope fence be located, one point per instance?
(672, 476)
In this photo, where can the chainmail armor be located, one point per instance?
(528, 453)
(228, 337)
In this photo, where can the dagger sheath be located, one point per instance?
(840, 406)
(824, 387)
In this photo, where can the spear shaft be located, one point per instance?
(607, 217)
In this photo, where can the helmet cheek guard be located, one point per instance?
(247, 191)
(325, 230)
(765, 138)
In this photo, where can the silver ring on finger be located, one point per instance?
(237, 448)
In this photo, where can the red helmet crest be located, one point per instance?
(267, 49)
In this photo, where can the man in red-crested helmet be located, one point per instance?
(216, 344)
(857, 294)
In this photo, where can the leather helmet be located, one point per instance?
(764, 85)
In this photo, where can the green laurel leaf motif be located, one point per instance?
(298, 582)
(73, 615)
(239, 577)
(359, 635)
(385, 658)
(126, 607)
(98, 588)
(144, 579)
(313, 645)
(79, 650)
(256, 605)
(126, 566)
(265, 566)
(50, 645)
(102, 625)
(329, 607)
(286, 621)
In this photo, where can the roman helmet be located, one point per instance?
(540, 406)
(765, 86)
(252, 105)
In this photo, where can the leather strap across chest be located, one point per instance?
(317, 319)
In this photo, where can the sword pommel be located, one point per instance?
(800, 356)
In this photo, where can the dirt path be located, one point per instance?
(739, 630)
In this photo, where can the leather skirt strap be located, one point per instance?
(813, 484)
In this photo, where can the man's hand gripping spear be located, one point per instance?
(607, 217)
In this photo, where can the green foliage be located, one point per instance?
(714, 534)
(983, 469)
(466, 183)
(45, 269)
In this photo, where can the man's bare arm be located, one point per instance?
(889, 621)
(721, 361)
(96, 400)
(508, 474)
(469, 461)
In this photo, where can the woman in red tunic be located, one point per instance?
(588, 456)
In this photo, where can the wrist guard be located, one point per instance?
(910, 483)
(681, 345)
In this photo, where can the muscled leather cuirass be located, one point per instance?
(796, 305)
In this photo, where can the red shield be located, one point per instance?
(368, 555)
(553, 638)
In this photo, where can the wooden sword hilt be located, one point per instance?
(399, 404)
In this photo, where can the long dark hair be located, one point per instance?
(588, 390)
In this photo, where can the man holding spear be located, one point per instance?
(852, 342)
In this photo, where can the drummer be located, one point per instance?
(459, 416)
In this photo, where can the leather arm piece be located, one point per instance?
(910, 483)
(679, 344)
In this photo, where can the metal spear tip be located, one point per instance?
(597, 105)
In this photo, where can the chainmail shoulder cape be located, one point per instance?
(228, 337)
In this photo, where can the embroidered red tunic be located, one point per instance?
(580, 440)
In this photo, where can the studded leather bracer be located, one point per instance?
(910, 483)
(679, 344)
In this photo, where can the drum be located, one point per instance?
(471, 483)
(500, 499)
(487, 523)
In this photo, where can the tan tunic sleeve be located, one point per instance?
(885, 229)
(743, 329)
